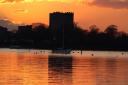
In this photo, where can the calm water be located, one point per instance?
(35, 67)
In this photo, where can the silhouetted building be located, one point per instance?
(61, 24)
(59, 21)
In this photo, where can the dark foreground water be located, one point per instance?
(35, 67)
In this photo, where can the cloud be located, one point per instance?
(102, 3)
(109, 3)
(8, 24)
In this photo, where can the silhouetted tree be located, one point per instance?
(40, 35)
(94, 29)
(4, 36)
(111, 30)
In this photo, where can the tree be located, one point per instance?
(111, 30)
(94, 29)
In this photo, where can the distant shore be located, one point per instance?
(63, 32)
(86, 49)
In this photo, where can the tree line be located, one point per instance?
(40, 37)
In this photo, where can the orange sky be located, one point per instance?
(31, 11)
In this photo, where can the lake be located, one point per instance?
(41, 67)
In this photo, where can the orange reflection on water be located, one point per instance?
(23, 69)
(82, 72)
(28, 68)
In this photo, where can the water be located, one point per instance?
(36, 67)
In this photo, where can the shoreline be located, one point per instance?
(33, 48)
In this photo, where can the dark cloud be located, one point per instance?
(110, 3)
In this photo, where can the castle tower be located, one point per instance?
(60, 25)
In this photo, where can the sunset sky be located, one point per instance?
(87, 12)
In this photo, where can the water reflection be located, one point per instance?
(60, 70)
(39, 69)
(83, 74)
(23, 69)
(106, 72)
(34, 69)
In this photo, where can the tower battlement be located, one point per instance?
(60, 24)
